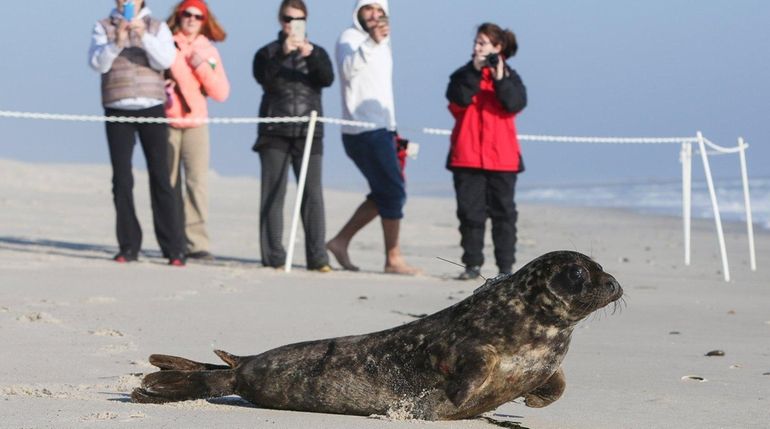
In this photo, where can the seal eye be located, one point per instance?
(577, 275)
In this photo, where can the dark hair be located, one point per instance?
(505, 38)
(296, 4)
(211, 28)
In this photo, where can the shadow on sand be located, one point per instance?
(95, 251)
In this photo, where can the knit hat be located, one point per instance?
(198, 4)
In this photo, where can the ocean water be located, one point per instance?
(660, 197)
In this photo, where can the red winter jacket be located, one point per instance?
(484, 135)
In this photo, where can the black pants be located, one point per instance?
(481, 194)
(275, 160)
(121, 138)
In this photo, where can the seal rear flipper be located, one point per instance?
(229, 359)
(175, 363)
(174, 386)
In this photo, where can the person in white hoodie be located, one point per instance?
(365, 65)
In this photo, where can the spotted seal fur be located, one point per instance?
(505, 341)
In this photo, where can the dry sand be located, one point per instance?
(76, 328)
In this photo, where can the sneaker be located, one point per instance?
(202, 255)
(326, 268)
(177, 262)
(125, 257)
(472, 272)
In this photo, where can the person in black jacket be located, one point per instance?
(292, 72)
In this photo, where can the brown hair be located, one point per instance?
(211, 28)
(505, 38)
(296, 4)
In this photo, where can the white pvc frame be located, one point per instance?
(686, 159)
(714, 206)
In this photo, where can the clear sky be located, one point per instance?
(592, 67)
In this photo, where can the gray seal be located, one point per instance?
(507, 340)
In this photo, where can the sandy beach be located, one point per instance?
(76, 329)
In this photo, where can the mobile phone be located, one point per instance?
(299, 30)
(128, 10)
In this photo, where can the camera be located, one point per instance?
(493, 60)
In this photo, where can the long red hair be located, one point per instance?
(211, 28)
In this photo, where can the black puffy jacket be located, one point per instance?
(292, 86)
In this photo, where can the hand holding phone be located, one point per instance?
(298, 31)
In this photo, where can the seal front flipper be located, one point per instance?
(548, 392)
(174, 386)
(472, 371)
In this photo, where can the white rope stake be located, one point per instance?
(747, 203)
(300, 190)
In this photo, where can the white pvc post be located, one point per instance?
(300, 189)
(715, 206)
(686, 158)
(749, 221)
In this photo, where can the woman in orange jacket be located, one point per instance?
(484, 97)
(197, 73)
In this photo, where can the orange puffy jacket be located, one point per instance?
(193, 85)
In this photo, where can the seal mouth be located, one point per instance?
(616, 292)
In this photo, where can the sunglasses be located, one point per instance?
(287, 19)
(186, 14)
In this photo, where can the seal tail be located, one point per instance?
(174, 385)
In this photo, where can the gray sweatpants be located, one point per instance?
(275, 166)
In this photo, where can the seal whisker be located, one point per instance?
(459, 265)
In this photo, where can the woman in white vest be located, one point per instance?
(131, 49)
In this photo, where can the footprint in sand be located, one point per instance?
(101, 300)
(114, 349)
(142, 363)
(127, 383)
(106, 333)
(38, 317)
(31, 391)
(179, 296)
(221, 287)
(99, 416)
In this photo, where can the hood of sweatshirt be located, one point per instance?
(362, 3)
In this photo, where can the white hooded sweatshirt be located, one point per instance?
(366, 75)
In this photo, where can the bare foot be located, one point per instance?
(402, 268)
(340, 252)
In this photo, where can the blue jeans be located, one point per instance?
(374, 153)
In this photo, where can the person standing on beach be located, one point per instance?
(365, 63)
(131, 49)
(484, 97)
(292, 72)
(197, 73)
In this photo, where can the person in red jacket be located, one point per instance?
(484, 97)
(196, 75)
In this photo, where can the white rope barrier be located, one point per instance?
(337, 121)
(705, 148)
